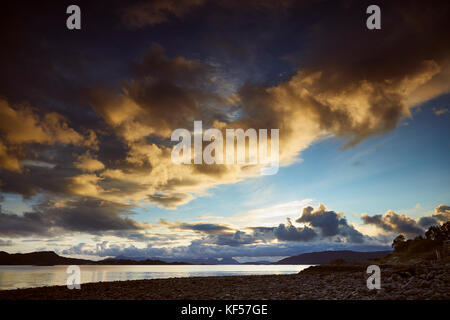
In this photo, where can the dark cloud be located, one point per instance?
(238, 238)
(179, 70)
(394, 222)
(411, 33)
(426, 222)
(291, 233)
(30, 223)
(82, 215)
(37, 179)
(204, 227)
(376, 76)
(164, 94)
(171, 200)
(217, 234)
(135, 235)
(330, 224)
(378, 221)
(442, 213)
(320, 225)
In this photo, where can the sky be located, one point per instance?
(86, 118)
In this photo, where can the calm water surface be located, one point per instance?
(12, 277)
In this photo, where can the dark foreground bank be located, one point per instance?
(343, 282)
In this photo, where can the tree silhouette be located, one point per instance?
(399, 243)
(434, 239)
(439, 233)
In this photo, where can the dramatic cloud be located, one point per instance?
(318, 225)
(167, 94)
(394, 222)
(292, 233)
(84, 215)
(19, 126)
(208, 228)
(238, 238)
(330, 224)
(442, 213)
(164, 95)
(128, 156)
(426, 222)
(319, 100)
(322, 230)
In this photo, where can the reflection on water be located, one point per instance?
(12, 277)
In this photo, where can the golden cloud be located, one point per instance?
(86, 163)
(306, 108)
(21, 125)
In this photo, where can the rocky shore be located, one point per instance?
(342, 282)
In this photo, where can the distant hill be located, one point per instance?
(49, 258)
(43, 258)
(258, 262)
(327, 256)
(206, 261)
(132, 258)
(228, 261)
(115, 261)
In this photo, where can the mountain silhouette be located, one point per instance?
(50, 258)
(327, 256)
(43, 258)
